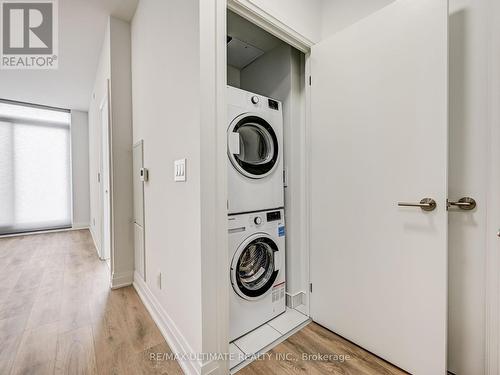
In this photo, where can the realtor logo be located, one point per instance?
(29, 34)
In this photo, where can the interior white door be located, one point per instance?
(378, 136)
(105, 168)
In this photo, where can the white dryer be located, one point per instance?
(255, 152)
(257, 270)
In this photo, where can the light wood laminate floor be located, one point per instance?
(299, 354)
(58, 316)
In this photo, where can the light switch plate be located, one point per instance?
(180, 170)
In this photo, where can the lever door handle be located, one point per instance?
(465, 203)
(426, 204)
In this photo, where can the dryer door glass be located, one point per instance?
(255, 270)
(258, 147)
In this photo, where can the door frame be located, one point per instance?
(105, 171)
(272, 25)
(267, 22)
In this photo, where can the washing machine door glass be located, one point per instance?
(255, 268)
(257, 153)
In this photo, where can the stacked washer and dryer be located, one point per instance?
(256, 219)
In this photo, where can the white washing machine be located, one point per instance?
(257, 269)
(255, 152)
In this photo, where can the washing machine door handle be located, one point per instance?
(277, 260)
(234, 143)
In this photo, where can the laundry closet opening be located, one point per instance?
(267, 212)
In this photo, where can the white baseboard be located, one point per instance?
(122, 279)
(38, 232)
(96, 243)
(171, 333)
(77, 226)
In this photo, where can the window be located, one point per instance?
(35, 175)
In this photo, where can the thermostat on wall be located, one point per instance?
(180, 170)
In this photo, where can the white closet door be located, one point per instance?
(378, 137)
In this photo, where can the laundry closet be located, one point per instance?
(364, 176)
(266, 190)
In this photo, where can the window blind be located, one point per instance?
(35, 173)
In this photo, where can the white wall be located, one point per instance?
(233, 76)
(338, 14)
(166, 115)
(114, 67)
(80, 169)
(175, 113)
(278, 74)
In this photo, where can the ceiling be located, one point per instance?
(246, 41)
(240, 28)
(81, 30)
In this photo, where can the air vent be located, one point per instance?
(241, 54)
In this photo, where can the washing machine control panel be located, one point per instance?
(263, 221)
(256, 100)
(271, 216)
(274, 216)
(273, 104)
